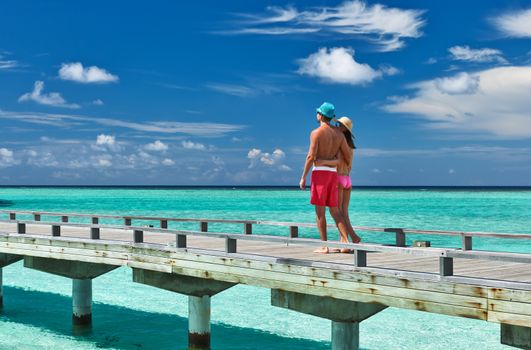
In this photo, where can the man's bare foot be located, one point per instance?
(346, 251)
(322, 250)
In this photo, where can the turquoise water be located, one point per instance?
(133, 316)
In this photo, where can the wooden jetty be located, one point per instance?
(344, 288)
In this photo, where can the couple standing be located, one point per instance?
(331, 152)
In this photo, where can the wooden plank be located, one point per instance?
(341, 294)
(508, 318)
(510, 307)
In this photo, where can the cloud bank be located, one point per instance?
(493, 102)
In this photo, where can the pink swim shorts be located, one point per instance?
(344, 181)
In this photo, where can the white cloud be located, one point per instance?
(253, 153)
(6, 158)
(462, 83)
(384, 26)
(103, 163)
(337, 65)
(50, 99)
(165, 127)
(256, 157)
(514, 24)
(8, 64)
(465, 53)
(168, 162)
(157, 146)
(103, 139)
(193, 145)
(76, 72)
(499, 106)
(98, 102)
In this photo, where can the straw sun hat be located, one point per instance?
(346, 122)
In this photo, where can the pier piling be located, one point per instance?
(345, 335)
(81, 302)
(199, 322)
(1, 291)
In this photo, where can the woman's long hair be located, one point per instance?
(350, 138)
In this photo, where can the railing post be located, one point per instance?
(163, 223)
(56, 230)
(446, 266)
(360, 258)
(400, 236)
(293, 231)
(138, 236)
(466, 242)
(64, 218)
(94, 233)
(180, 241)
(95, 220)
(230, 245)
(127, 221)
(37, 217)
(247, 228)
(203, 226)
(12, 216)
(21, 228)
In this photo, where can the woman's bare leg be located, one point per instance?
(344, 211)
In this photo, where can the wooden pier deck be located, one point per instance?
(490, 286)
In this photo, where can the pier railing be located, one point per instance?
(400, 233)
(445, 255)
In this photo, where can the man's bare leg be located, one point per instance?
(341, 226)
(320, 217)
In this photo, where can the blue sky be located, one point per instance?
(224, 93)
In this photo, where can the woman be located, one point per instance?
(343, 175)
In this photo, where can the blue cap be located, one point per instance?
(327, 109)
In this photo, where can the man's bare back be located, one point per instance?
(329, 142)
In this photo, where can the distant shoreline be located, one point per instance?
(262, 187)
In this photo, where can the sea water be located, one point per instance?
(127, 315)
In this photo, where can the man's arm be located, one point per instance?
(310, 158)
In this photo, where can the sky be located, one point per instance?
(224, 93)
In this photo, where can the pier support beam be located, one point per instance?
(6, 259)
(199, 323)
(344, 314)
(516, 336)
(199, 291)
(81, 302)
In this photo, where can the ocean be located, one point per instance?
(127, 315)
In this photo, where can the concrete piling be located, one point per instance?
(199, 323)
(81, 302)
(1, 291)
(345, 335)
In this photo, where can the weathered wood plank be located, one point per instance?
(508, 318)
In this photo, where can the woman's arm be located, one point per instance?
(327, 162)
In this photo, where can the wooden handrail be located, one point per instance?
(64, 216)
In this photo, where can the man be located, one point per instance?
(326, 143)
